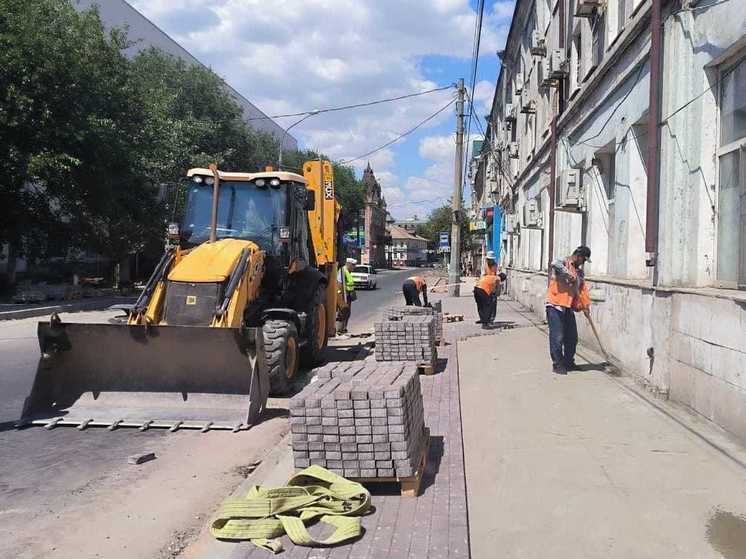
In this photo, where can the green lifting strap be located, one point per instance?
(312, 494)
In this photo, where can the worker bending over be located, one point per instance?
(485, 295)
(491, 270)
(412, 287)
(346, 290)
(567, 294)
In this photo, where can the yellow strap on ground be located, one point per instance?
(314, 493)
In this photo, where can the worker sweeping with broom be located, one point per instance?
(566, 295)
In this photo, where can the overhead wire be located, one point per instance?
(473, 81)
(355, 105)
(400, 136)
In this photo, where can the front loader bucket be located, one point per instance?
(132, 376)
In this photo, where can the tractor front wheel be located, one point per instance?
(282, 354)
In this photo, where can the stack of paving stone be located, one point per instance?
(412, 338)
(360, 419)
(401, 312)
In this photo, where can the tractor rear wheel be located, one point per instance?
(282, 354)
(315, 346)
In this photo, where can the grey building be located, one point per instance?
(650, 173)
(118, 13)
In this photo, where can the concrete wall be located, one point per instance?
(698, 355)
(118, 13)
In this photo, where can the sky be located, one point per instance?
(289, 56)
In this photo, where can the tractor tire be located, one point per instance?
(313, 351)
(282, 355)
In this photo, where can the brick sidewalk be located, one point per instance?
(434, 525)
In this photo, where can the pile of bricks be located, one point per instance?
(360, 419)
(410, 339)
(400, 312)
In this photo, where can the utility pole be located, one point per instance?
(454, 271)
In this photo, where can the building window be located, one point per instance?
(576, 62)
(731, 202)
(605, 162)
(622, 12)
(598, 31)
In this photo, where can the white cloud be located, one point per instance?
(295, 55)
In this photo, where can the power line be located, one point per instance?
(400, 136)
(475, 65)
(356, 105)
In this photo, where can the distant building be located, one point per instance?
(145, 34)
(405, 248)
(410, 225)
(374, 252)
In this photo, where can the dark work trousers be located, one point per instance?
(484, 304)
(563, 336)
(411, 295)
(493, 306)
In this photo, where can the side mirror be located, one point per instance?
(310, 200)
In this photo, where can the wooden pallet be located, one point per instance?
(426, 368)
(409, 486)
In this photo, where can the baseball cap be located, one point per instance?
(583, 251)
(351, 261)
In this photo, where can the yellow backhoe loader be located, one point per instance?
(246, 293)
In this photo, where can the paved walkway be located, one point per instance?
(580, 466)
(434, 525)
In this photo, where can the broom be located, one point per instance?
(611, 368)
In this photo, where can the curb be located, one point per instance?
(76, 306)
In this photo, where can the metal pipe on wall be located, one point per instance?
(652, 216)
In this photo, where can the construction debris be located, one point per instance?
(141, 458)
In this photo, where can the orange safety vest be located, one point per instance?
(419, 282)
(488, 283)
(563, 294)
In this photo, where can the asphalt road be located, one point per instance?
(44, 475)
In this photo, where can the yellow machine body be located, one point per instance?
(170, 366)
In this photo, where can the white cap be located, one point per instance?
(351, 261)
(490, 255)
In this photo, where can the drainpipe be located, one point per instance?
(652, 216)
(553, 142)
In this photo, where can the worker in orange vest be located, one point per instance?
(491, 264)
(412, 287)
(485, 295)
(566, 295)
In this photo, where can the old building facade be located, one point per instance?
(374, 251)
(605, 133)
(405, 248)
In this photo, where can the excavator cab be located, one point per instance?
(227, 316)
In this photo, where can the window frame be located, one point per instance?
(722, 150)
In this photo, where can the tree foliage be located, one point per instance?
(91, 139)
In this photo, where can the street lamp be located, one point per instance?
(285, 133)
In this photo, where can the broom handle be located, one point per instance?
(595, 333)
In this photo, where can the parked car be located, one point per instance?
(364, 277)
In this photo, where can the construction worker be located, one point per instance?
(412, 287)
(491, 263)
(347, 291)
(485, 295)
(491, 270)
(566, 295)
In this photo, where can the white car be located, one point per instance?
(364, 277)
